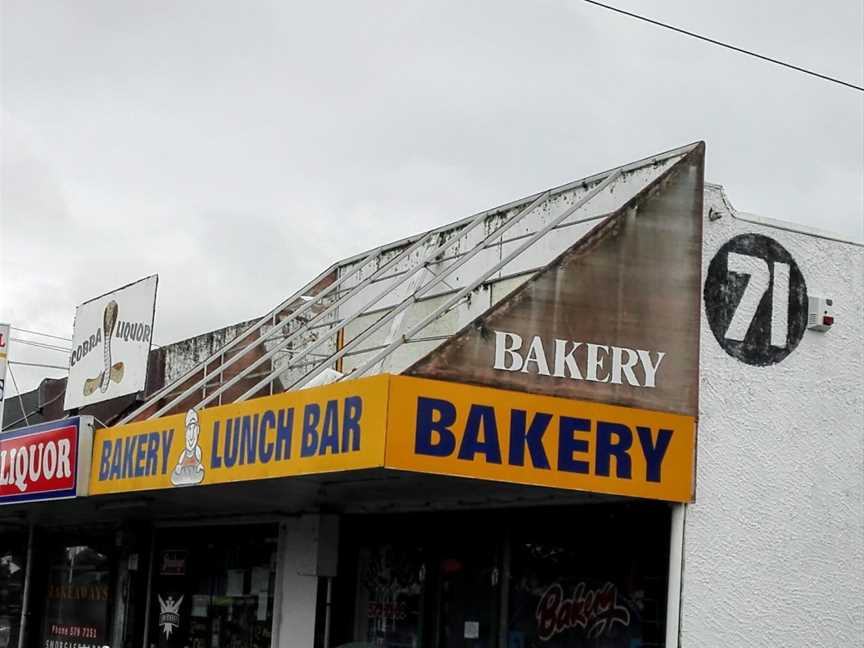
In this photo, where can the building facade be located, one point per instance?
(614, 414)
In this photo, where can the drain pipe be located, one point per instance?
(25, 595)
(676, 566)
(328, 611)
(151, 567)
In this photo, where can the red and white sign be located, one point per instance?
(45, 461)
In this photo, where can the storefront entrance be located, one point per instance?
(213, 587)
(13, 559)
(578, 577)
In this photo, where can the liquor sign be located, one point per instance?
(46, 461)
(111, 344)
(4, 358)
(410, 424)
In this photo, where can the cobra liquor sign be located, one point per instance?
(111, 344)
(44, 462)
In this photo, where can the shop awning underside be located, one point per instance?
(355, 492)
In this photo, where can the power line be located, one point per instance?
(37, 364)
(41, 345)
(48, 335)
(727, 46)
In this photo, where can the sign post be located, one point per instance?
(4, 352)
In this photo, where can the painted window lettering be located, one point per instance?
(577, 360)
(595, 611)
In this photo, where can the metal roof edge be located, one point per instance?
(774, 223)
(625, 168)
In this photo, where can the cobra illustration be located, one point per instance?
(110, 372)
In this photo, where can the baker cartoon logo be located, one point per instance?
(110, 372)
(189, 470)
(169, 614)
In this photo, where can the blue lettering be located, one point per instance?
(128, 451)
(533, 438)
(140, 440)
(311, 416)
(568, 444)
(152, 453)
(606, 449)
(232, 441)
(283, 434)
(249, 439)
(265, 448)
(434, 416)
(330, 429)
(105, 461)
(116, 460)
(481, 416)
(215, 460)
(167, 439)
(351, 423)
(654, 453)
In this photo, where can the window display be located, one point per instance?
(12, 563)
(576, 577)
(213, 587)
(77, 599)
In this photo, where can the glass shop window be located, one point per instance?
(390, 596)
(213, 587)
(601, 586)
(12, 563)
(77, 599)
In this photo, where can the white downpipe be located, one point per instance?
(676, 565)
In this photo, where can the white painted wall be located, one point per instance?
(296, 593)
(774, 544)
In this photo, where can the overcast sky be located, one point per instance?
(238, 148)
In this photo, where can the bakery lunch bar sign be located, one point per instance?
(577, 360)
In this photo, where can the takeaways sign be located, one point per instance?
(411, 424)
(42, 462)
(111, 344)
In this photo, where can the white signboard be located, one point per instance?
(4, 352)
(111, 344)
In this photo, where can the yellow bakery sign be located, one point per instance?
(408, 424)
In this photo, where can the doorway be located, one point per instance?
(213, 587)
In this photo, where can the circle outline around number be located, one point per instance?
(722, 294)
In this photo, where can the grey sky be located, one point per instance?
(238, 148)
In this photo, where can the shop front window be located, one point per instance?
(516, 579)
(12, 563)
(390, 599)
(213, 587)
(599, 585)
(77, 601)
